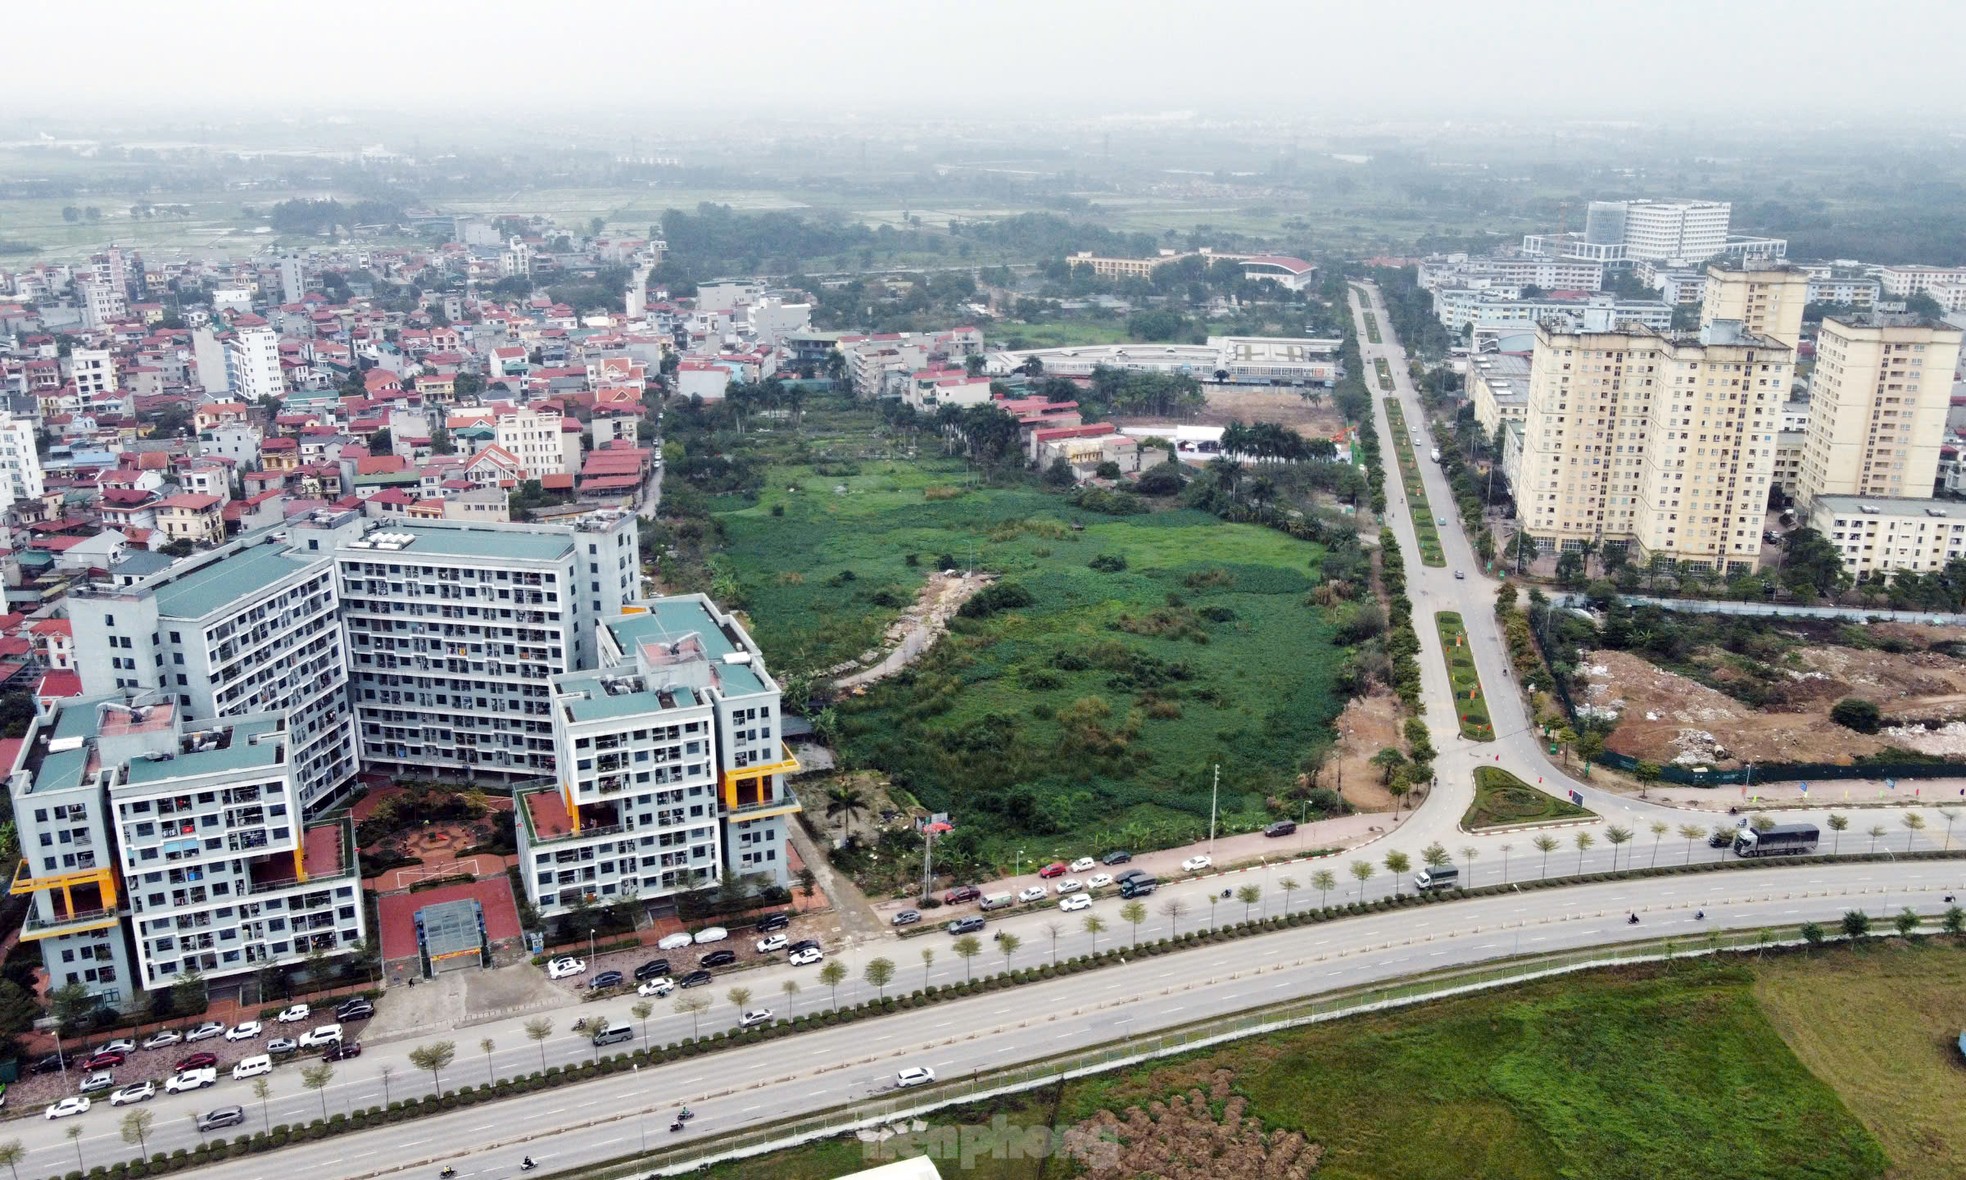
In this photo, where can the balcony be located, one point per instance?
(326, 853)
(66, 922)
(550, 821)
(764, 809)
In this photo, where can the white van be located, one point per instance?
(252, 1067)
(997, 901)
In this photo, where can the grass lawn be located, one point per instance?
(1372, 328)
(1019, 334)
(1092, 717)
(1621, 1075)
(1470, 703)
(1385, 372)
(1503, 800)
(1424, 530)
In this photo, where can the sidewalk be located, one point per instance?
(1851, 792)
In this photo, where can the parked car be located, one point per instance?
(653, 969)
(119, 1045)
(1031, 893)
(354, 1010)
(294, 1014)
(68, 1106)
(660, 986)
(804, 944)
(771, 922)
(1069, 885)
(163, 1038)
(322, 1037)
(1055, 869)
(97, 1082)
(245, 1030)
(1098, 880)
(605, 979)
(756, 1017)
(772, 942)
(960, 894)
(141, 1092)
(52, 1063)
(1082, 864)
(342, 1051)
(1074, 903)
(224, 1116)
(205, 1031)
(696, 979)
(283, 1045)
(969, 925)
(673, 942)
(718, 959)
(811, 954)
(906, 918)
(1196, 864)
(107, 1059)
(1117, 856)
(1282, 827)
(191, 1079)
(565, 967)
(197, 1061)
(918, 1075)
(711, 934)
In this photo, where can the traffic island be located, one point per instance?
(1425, 534)
(1504, 801)
(1470, 702)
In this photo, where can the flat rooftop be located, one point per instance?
(671, 619)
(215, 749)
(221, 583)
(482, 541)
(1892, 506)
(611, 696)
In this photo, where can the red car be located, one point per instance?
(109, 1059)
(198, 1061)
(1055, 869)
(960, 894)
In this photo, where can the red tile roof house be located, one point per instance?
(190, 517)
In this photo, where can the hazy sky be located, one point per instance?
(1308, 59)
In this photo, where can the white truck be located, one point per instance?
(1438, 877)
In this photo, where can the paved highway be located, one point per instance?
(757, 1085)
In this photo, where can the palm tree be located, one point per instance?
(1876, 834)
(1948, 815)
(1397, 863)
(1546, 844)
(1468, 854)
(1362, 871)
(1838, 824)
(1914, 824)
(1289, 886)
(1584, 841)
(1658, 832)
(845, 799)
(1323, 880)
(1618, 837)
(1505, 861)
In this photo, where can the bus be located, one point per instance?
(1780, 840)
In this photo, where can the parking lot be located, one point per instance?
(742, 942)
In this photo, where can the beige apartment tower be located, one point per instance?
(1765, 297)
(1664, 443)
(1877, 407)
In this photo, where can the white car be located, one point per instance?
(711, 934)
(756, 1017)
(565, 967)
(163, 1039)
(772, 942)
(322, 1037)
(1070, 885)
(191, 1079)
(119, 1045)
(203, 1032)
(245, 1030)
(919, 1075)
(1034, 893)
(1074, 903)
(674, 942)
(659, 986)
(1098, 880)
(141, 1092)
(811, 954)
(1082, 864)
(68, 1106)
(1196, 864)
(294, 1014)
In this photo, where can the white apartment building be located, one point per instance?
(102, 304)
(1459, 308)
(1551, 274)
(253, 627)
(1498, 385)
(1902, 281)
(1767, 298)
(21, 477)
(153, 848)
(1664, 231)
(1880, 534)
(1664, 443)
(1229, 360)
(1878, 401)
(455, 632)
(1844, 290)
(537, 440)
(252, 364)
(93, 370)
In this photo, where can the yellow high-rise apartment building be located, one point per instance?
(1764, 296)
(1877, 407)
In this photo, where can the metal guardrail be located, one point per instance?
(882, 1110)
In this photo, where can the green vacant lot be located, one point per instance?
(1503, 800)
(1625, 1075)
(1155, 647)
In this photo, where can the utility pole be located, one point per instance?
(1214, 792)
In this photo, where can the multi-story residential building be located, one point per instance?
(93, 370)
(252, 363)
(1459, 308)
(21, 477)
(1899, 282)
(1877, 407)
(537, 440)
(1233, 360)
(1498, 385)
(1664, 443)
(102, 304)
(456, 630)
(192, 516)
(1844, 290)
(1550, 274)
(250, 628)
(1766, 297)
(153, 847)
(1878, 535)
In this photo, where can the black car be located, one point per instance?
(804, 944)
(1282, 827)
(653, 969)
(605, 979)
(696, 979)
(343, 1051)
(906, 918)
(969, 925)
(771, 922)
(52, 1063)
(1117, 856)
(360, 1010)
(719, 959)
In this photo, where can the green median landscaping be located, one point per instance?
(1425, 533)
(1504, 801)
(1470, 702)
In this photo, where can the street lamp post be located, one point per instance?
(590, 944)
(1213, 793)
(1018, 869)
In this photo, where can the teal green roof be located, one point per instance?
(239, 754)
(60, 771)
(522, 544)
(673, 618)
(233, 576)
(600, 706)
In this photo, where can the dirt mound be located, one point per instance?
(1367, 726)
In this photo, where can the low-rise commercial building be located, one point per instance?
(1879, 535)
